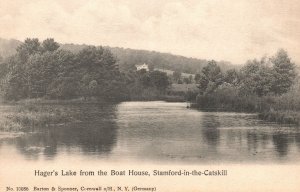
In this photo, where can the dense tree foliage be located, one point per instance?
(176, 76)
(256, 78)
(247, 88)
(50, 45)
(197, 77)
(268, 76)
(128, 58)
(43, 70)
(143, 85)
(231, 76)
(211, 77)
(283, 71)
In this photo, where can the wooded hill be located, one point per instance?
(128, 58)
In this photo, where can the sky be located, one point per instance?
(230, 30)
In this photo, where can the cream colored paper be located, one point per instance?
(230, 30)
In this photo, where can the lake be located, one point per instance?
(154, 132)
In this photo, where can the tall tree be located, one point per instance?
(47, 71)
(99, 65)
(257, 78)
(15, 87)
(231, 76)
(284, 72)
(211, 77)
(49, 45)
(29, 47)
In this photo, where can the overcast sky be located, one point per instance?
(232, 30)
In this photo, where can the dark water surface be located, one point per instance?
(156, 132)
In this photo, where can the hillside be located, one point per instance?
(8, 47)
(128, 58)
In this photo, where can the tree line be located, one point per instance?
(255, 87)
(42, 70)
(127, 58)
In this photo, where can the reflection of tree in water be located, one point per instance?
(210, 130)
(297, 139)
(94, 133)
(252, 141)
(281, 143)
(93, 137)
(257, 140)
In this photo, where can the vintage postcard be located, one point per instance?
(149, 95)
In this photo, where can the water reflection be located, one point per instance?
(93, 132)
(210, 130)
(252, 141)
(158, 131)
(281, 143)
(264, 141)
(297, 140)
(169, 131)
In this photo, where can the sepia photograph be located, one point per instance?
(148, 95)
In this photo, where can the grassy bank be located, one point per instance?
(284, 117)
(31, 114)
(54, 101)
(284, 109)
(24, 116)
(271, 115)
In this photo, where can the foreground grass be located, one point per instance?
(21, 117)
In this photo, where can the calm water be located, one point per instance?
(156, 132)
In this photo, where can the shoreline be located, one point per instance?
(277, 116)
(29, 114)
(166, 98)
